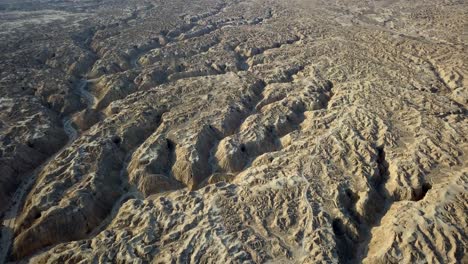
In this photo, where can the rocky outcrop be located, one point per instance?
(29, 134)
(234, 131)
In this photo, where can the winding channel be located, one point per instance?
(10, 215)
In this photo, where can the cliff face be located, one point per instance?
(233, 131)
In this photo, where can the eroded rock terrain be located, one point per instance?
(236, 131)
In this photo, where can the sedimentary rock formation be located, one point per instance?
(233, 131)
